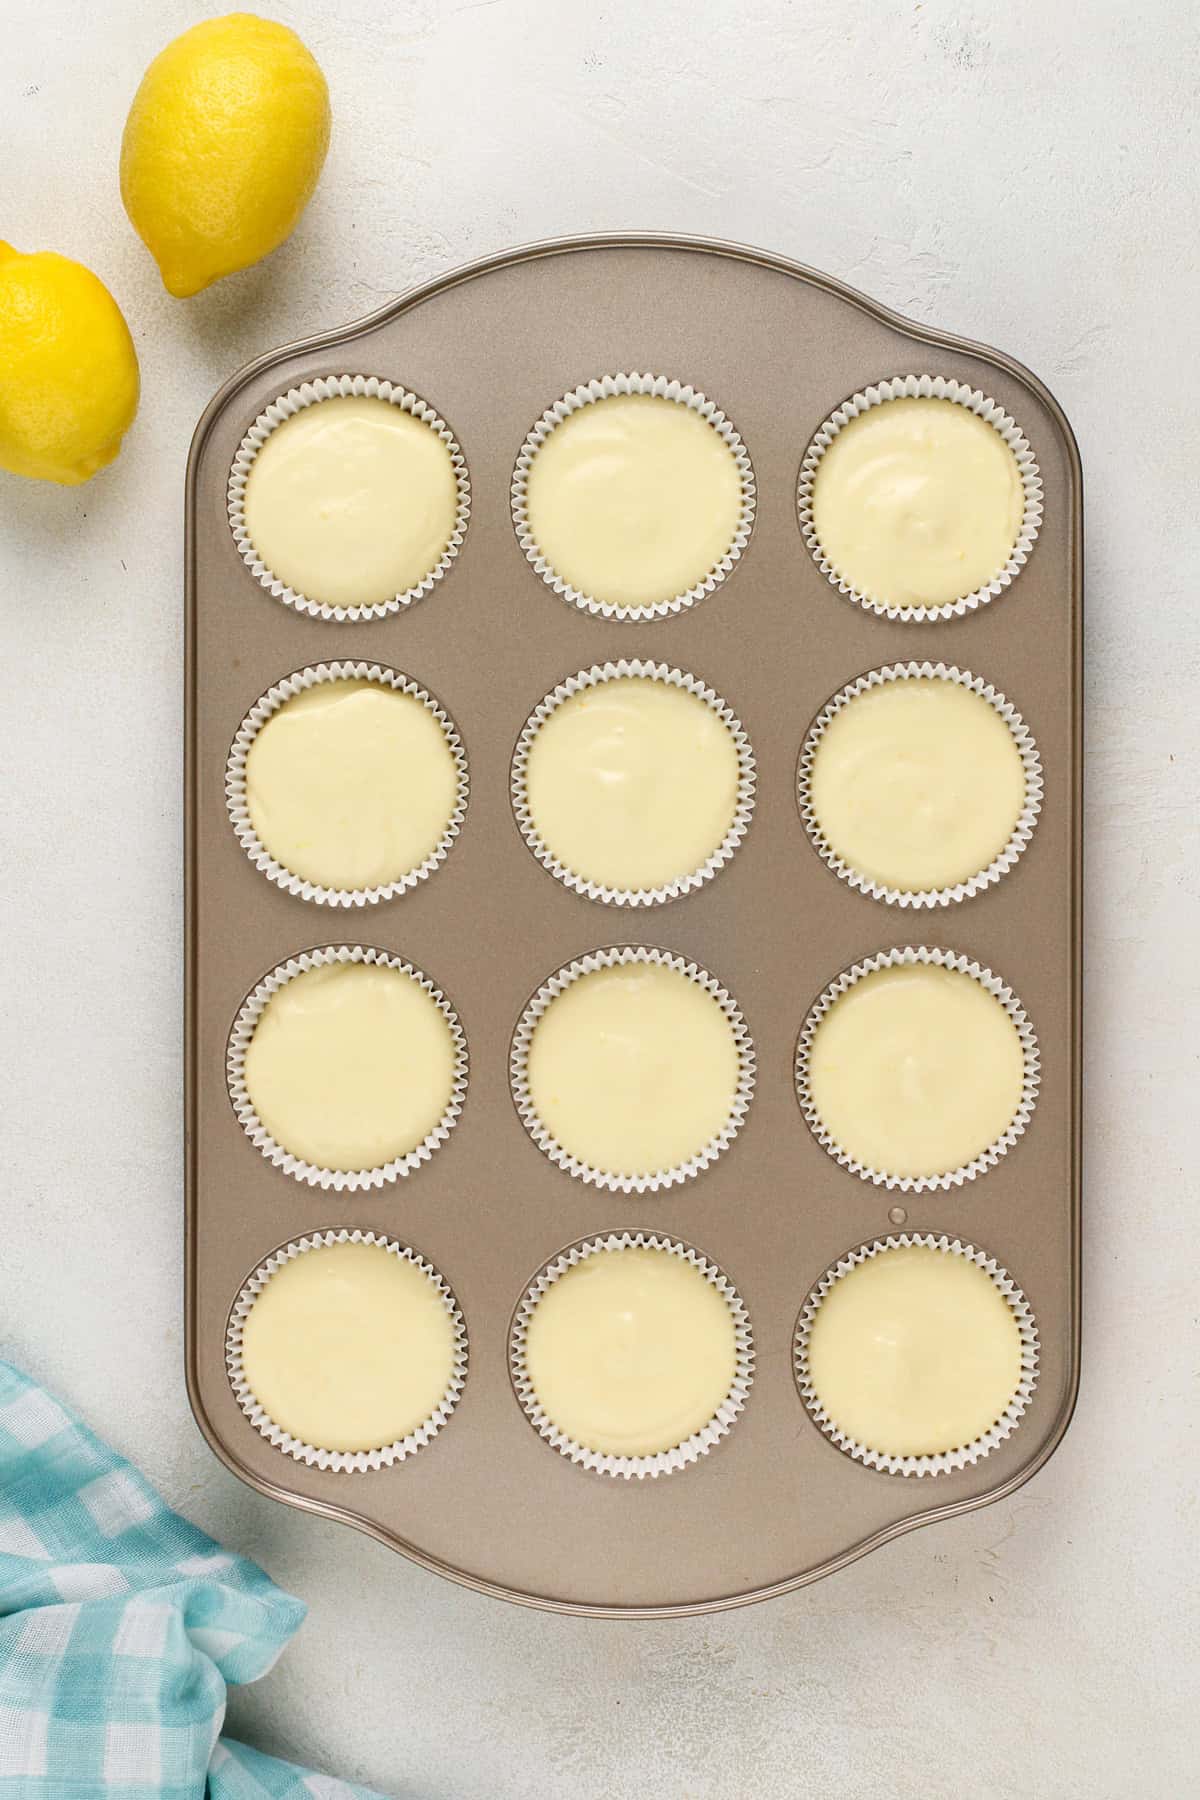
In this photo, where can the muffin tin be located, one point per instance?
(772, 1502)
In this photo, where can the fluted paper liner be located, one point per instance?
(606, 387)
(946, 1461)
(342, 1181)
(663, 1462)
(688, 880)
(925, 387)
(235, 783)
(1031, 1077)
(623, 955)
(1021, 832)
(342, 1461)
(311, 393)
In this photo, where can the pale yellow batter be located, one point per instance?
(917, 784)
(915, 1070)
(634, 499)
(915, 1352)
(348, 1347)
(917, 502)
(630, 1351)
(632, 783)
(633, 1069)
(351, 501)
(351, 784)
(351, 1065)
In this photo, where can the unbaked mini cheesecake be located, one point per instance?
(632, 784)
(351, 1066)
(917, 502)
(915, 1070)
(915, 784)
(913, 1351)
(351, 501)
(634, 499)
(634, 1069)
(352, 784)
(349, 1346)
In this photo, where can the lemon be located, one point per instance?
(222, 148)
(68, 369)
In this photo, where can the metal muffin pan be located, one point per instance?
(778, 347)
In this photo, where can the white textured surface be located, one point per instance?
(1023, 173)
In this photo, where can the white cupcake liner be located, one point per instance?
(342, 1461)
(1031, 1079)
(311, 393)
(944, 1462)
(605, 388)
(664, 1462)
(925, 387)
(341, 1181)
(1021, 833)
(598, 674)
(556, 984)
(235, 783)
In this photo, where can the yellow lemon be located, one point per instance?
(222, 148)
(68, 369)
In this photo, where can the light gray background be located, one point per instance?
(1022, 173)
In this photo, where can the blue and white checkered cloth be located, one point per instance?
(120, 1627)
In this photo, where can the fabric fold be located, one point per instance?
(121, 1626)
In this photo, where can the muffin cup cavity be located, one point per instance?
(947, 1461)
(235, 783)
(620, 956)
(664, 1462)
(342, 1461)
(1030, 1082)
(925, 387)
(684, 883)
(1021, 833)
(605, 388)
(311, 393)
(341, 1181)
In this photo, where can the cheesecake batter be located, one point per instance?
(632, 783)
(351, 784)
(633, 1069)
(634, 499)
(348, 1347)
(915, 1352)
(917, 502)
(351, 501)
(915, 1070)
(350, 1066)
(917, 784)
(631, 1351)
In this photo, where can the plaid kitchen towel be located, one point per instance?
(120, 1627)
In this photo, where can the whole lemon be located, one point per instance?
(68, 369)
(222, 148)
